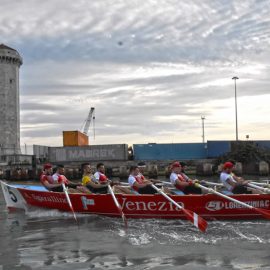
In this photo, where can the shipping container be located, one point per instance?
(263, 144)
(40, 151)
(217, 148)
(18, 159)
(74, 138)
(111, 152)
(173, 151)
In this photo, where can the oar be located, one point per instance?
(213, 184)
(118, 206)
(264, 213)
(195, 219)
(260, 184)
(69, 201)
(266, 190)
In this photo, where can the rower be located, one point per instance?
(47, 181)
(235, 177)
(100, 174)
(142, 166)
(90, 182)
(183, 170)
(236, 185)
(98, 183)
(138, 183)
(59, 177)
(187, 186)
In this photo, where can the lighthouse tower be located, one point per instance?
(10, 62)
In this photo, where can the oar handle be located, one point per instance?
(259, 184)
(266, 190)
(213, 184)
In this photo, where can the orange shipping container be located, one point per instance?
(74, 138)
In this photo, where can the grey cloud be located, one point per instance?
(96, 36)
(89, 55)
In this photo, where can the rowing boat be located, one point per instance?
(208, 206)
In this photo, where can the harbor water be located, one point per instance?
(49, 239)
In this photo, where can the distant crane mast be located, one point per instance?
(88, 120)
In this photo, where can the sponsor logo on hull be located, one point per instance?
(218, 205)
(86, 202)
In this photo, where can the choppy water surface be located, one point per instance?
(52, 240)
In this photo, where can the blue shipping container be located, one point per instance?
(263, 144)
(172, 151)
(218, 148)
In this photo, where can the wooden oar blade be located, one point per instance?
(197, 221)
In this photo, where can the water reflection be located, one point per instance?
(52, 240)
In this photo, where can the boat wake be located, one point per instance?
(142, 232)
(177, 233)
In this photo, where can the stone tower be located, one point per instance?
(10, 62)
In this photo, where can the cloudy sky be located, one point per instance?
(150, 68)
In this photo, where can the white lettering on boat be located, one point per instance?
(218, 205)
(86, 202)
(51, 198)
(150, 206)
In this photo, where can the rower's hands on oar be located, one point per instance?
(62, 180)
(201, 182)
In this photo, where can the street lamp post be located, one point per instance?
(236, 123)
(203, 118)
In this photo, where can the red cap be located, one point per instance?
(175, 165)
(47, 166)
(228, 165)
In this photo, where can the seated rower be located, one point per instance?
(99, 182)
(47, 181)
(182, 183)
(183, 172)
(142, 166)
(138, 183)
(235, 177)
(236, 185)
(59, 177)
(186, 177)
(89, 181)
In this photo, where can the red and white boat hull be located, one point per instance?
(208, 206)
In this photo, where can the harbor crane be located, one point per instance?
(88, 120)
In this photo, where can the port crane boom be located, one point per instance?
(88, 120)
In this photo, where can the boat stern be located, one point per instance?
(13, 197)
